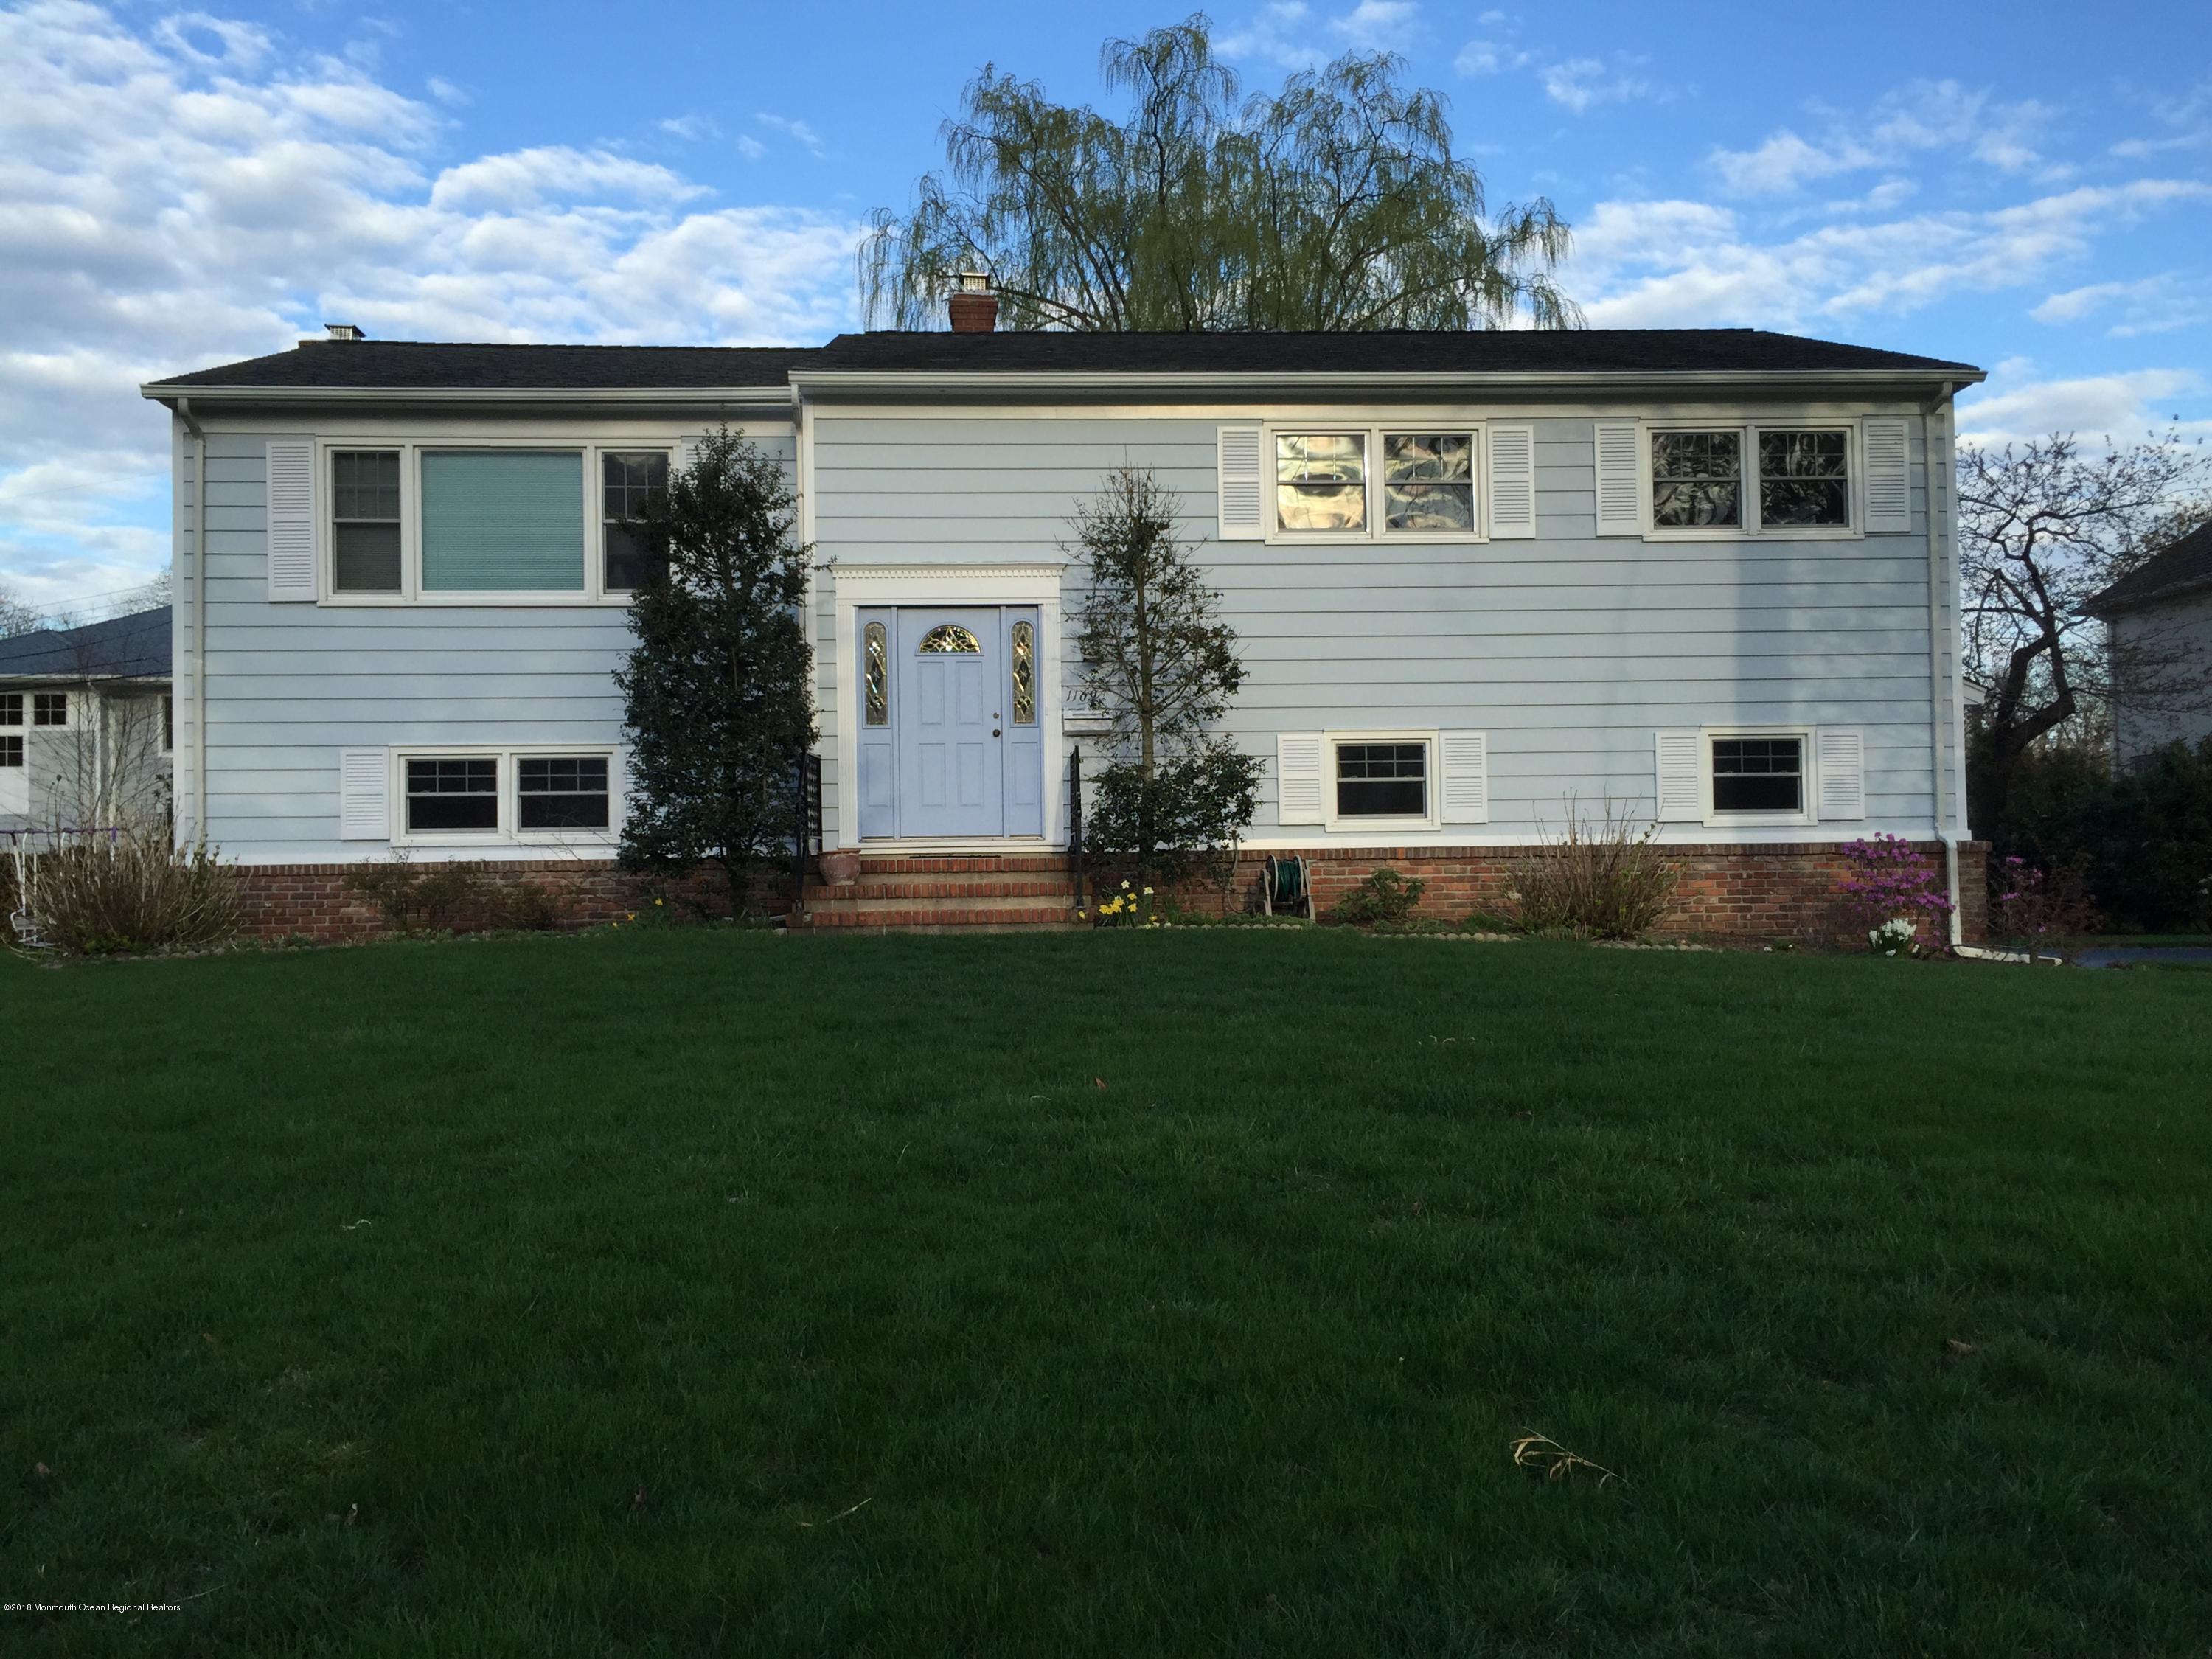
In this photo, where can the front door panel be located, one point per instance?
(950, 669)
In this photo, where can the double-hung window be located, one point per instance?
(50, 708)
(1750, 480)
(11, 733)
(365, 551)
(1375, 482)
(627, 480)
(1759, 774)
(504, 795)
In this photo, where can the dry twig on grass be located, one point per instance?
(1541, 1455)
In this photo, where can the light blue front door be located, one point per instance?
(951, 720)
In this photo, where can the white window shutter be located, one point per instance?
(1238, 482)
(1843, 774)
(1298, 777)
(291, 519)
(1466, 764)
(364, 794)
(1512, 482)
(687, 454)
(1888, 475)
(1620, 479)
(1681, 761)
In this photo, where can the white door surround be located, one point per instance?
(855, 587)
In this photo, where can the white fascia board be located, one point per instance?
(1016, 381)
(778, 396)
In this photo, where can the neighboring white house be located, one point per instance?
(2161, 620)
(1706, 575)
(85, 724)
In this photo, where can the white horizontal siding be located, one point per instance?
(1567, 650)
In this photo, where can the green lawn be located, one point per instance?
(352, 1297)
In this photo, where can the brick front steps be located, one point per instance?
(982, 892)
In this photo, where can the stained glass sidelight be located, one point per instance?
(1024, 674)
(878, 684)
(950, 640)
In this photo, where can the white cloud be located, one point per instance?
(750, 147)
(1682, 264)
(1581, 84)
(797, 130)
(1924, 117)
(691, 128)
(1481, 58)
(186, 193)
(2148, 305)
(1377, 25)
(2014, 407)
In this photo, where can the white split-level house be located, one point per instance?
(1705, 576)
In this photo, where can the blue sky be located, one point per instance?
(2016, 185)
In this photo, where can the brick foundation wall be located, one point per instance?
(317, 901)
(1785, 891)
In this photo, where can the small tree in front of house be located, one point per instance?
(715, 692)
(1173, 797)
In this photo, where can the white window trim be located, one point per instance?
(410, 451)
(1752, 528)
(1808, 782)
(1372, 431)
(507, 834)
(1431, 781)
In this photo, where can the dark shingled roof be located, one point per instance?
(1479, 351)
(340, 365)
(2184, 568)
(136, 647)
(424, 365)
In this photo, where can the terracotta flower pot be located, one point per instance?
(840, 866)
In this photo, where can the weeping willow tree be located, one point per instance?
(1336, 203)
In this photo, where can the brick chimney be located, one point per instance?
(974, 308)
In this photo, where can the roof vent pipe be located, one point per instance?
(973, 307)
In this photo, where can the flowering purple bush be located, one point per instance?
(1890, 882)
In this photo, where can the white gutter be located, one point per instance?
(1942, 684)
(826, 379)
(161, 392)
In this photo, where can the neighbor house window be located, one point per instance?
(1382, 780)
(168, 723)
(365, 521)
(11, 748)
(1697, 479)
(1803, 478)
(449, 794)
(626, 482)
(1320, 482)
(560, 791)
(502, 521)
(50, 708)
(1428, 482)
(1759, 774)
(11, 707)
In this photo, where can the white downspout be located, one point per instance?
(1943, 684)
(196, 636)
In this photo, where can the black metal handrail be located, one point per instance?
(1075, 824)
(806, 827)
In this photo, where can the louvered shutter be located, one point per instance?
(687, 454)
(1238, 483)
(1512, 482)
(1681, 761)
(1298, 777)
(1620, 479)
(1466, 764)
(364, 794)
(1888, 475)
(291, 519)
(1843, 774)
